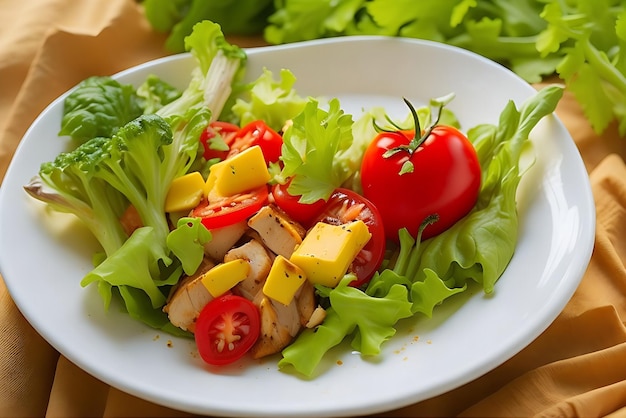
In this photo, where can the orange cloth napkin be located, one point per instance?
(577, 367)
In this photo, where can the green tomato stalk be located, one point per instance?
(419, 137)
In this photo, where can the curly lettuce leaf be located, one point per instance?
(312, 149)
(583, 41)
(426, 19)
(370, 320)
(272, 101)
(498, 29)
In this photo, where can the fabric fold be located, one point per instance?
(93, 37)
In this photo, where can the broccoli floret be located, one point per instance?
(139, 167)
(99, 179)
(69, 184)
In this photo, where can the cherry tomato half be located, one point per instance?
(303, 213)
(344, 206)
(226, 131)
(226, 329)
(258, 133)
(230, 210)
(445, 180)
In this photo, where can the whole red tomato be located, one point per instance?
(410, 178)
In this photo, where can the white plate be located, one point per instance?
(468, 336)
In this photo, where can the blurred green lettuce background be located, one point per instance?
(580, 41)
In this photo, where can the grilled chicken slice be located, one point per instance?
(275, 334)
(306, 302)
(281, 323)
(188, 298)
(260, 264)
(279, 233)
(223, 240)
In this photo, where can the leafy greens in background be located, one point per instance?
(177, 17)
(582, 41)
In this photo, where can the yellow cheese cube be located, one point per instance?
(225, 276)
(185, 192)
(209, 187)
(241, 172)
(328, 250)
(283, 280)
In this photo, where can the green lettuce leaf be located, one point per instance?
(272, 101)
(99, 107)
(592, 37)
(187, 241)
(582, 41)
(220, 65)
(304, 20)
(236, 17)
(370, 320)
(135, 264)
(138, 306)
(140, 159)
(156, 93)
(312, 151)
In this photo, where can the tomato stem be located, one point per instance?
(419, 137)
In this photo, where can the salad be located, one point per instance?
(259, 221)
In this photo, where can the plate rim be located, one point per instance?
(369, 409)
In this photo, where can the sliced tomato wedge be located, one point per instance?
(232, 209)
(226, 329)
(303, 213)
(258, 133)
(344, 206)
(225, 131)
